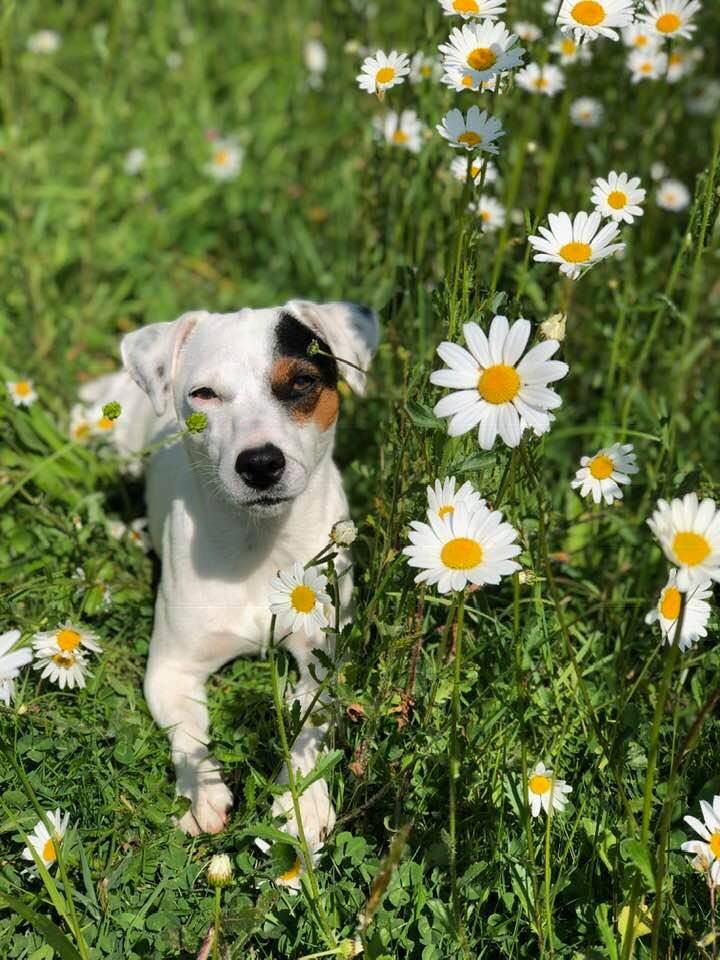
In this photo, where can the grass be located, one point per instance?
(438, 722)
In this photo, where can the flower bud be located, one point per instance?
(112, 410)
(350, 948)
(196, 422)
(554, 327)
(220, 871)
(343, 533)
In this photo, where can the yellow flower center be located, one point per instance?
(475, 170)
(303, 599)
(567, 46)
(715, 843)
(481, 58)
(466, 6)
(646, 67)
(641, 40)
(690, 548)
(81, 430)
(400, 137)
(539, 784)
(445, 510)
(48, 851)
(64, 660)
(470, 138)
(617, 199)
(68, 639)
(485, 216)
(23, 388)
(575, 252)
(461, 554)
(540, 83)
(588, 12)
(221, 158)
(601, 467)
(499, 384)
(105, 423)
(467, 80)
(385, 75)
(670, 603)
(676, 59)
(292, 874)
(426, 71)
(668, 23)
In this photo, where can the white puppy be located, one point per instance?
(230, 506)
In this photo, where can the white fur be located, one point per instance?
(219, 547)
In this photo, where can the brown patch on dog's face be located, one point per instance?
(305, 385)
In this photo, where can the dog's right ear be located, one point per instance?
(150, 355)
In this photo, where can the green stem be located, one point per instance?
(216, 928)
(548, 887)
(455, 763)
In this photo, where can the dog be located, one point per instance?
(230, 506)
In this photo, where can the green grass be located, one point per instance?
(556, 665)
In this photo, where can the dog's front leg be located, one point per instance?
(316, 809)
(175, 694)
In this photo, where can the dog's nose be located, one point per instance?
(261, 467)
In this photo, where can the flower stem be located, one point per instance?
(454, 769)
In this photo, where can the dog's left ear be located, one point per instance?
(351, 332)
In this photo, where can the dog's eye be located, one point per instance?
(302, 383)
(204, 393)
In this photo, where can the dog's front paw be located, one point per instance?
(316, 811)
(210, 808)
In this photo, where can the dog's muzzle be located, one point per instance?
(261, 467)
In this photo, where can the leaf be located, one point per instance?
(324, 765)
(46, 928)
(639, 855)
(422, 416)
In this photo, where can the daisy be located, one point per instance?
(298, 598)
(695, 617)
(136, 532)
(586, 112)
(424, 67)
(619, 197)
(134, 161)
(547, 79)
(67, 669)
(466, 546)
(477, 132)
(401, 130)
(482, 50)
(554, 327)
(292, 877)
(458, 168)
(80, 425)
(527, 32)
(383, 71)
(493, 387)
(647, 64)
(460, 80)
(570, 51)
(600, 474)
(658, 170)
(576, 243)
(10, 664)
(225, 161)
(639, 36)
(672, 195)
(595, 18)
(707, 850)
(680, 64)
(44, 41)
(473, 8)
(443, 498)
(67, 638)
(546, 792)
(315, 57)
(671, 18)
(490, 212)
(689, 533)
(22, 393)
(46, 844)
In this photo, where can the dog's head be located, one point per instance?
(267, 381)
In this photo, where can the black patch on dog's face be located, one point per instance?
(292, 339)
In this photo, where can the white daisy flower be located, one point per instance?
(482, 50)
(546, 792)
(461, 80)
(707, 850)
(466, 546)
(343, 533)
(638, 36)
(383, 71)
(46, 844)
(67, 638)
(134, 161)
(424, 67)
(493, 387)
(65, 668)
(22, 393)
(458, 168)
(10, 664)
(680, 64)
(490, 212)
(695, 618)
(136, 532)
(647, 64)
(671, 18)
(547, 79)
(619, 197)
(292, 878)
(225, 161)
(298, 598)
(403, 130)
(44, 41)
(554, 327)
(600, 474)
(586, 112)
(689, 533)
(595, 18)
(527, 32)
(658, 170)
(477, 132)
(443, 498)
(703, 97)
(570, 51)
(316, 59)
(473, 8)
(672, 195)
(577, 243)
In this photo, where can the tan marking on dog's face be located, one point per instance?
(317, 402)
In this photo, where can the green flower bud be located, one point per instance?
(196, 422)
(112, 410)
